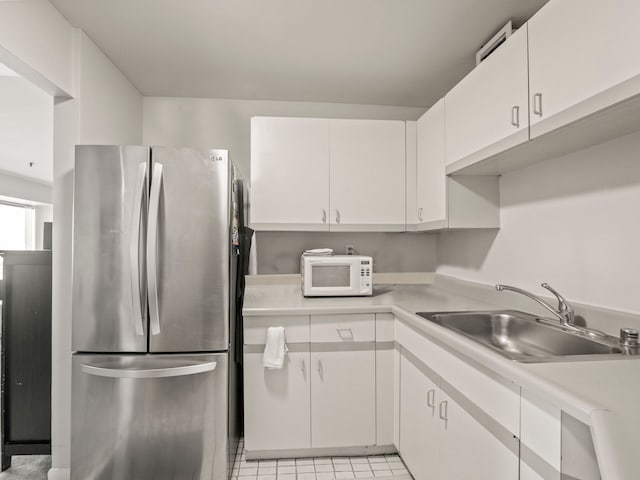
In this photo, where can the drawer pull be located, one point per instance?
(345, 333)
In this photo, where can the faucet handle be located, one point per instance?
(563, 305)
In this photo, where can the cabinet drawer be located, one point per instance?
(296, 328)
(343, 328)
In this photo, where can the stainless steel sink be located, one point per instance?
(527, 338)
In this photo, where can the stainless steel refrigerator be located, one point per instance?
(155, 244)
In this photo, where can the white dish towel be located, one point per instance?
(275, 348)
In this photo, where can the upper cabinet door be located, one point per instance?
(487, 110)
(289, 174)
(367, 175)
(430, 172)
(577, 51)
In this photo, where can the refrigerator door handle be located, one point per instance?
(148, 373)
(134, 249)
(152, 248)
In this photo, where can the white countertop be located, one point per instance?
(604, 394)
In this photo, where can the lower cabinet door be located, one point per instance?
(343, 410)
(420, 429)
(470, 450)
(276, 403)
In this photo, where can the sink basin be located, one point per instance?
(523, 337)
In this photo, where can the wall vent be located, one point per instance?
(493, 44)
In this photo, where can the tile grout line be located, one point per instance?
(376, 467)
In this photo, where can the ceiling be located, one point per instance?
(385, 52)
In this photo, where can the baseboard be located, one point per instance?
(320, 452)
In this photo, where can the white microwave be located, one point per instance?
(336, 275)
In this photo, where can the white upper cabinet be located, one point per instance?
(289, 173)
(367, 175)
(583, 77)
(448, 202)
(327, 175)
(486, 112)
(430, 173)
(583, 56)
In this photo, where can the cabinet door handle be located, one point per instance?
(320, 371)
(443, 411)
(420, 214)
(337, 216)
(515, 116)
(324, 216)
(303, 367)
(431, 398)
(537, 104)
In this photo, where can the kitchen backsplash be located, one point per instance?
(279, 252)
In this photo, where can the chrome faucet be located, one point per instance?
(565, 313)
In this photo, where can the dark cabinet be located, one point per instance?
(25, 291)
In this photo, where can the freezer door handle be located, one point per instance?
(134, 249)
(152, 248)
(149, 373)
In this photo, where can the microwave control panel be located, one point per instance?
(365, 274)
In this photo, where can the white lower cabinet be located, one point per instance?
(325, 395)
(343, 407)
(439, 438)
(419, 423)
(469, 450)
(276, 403)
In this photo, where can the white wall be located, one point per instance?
(37, 42)
(107, 110)
(573, 222)
(26, 130)
(110, 107)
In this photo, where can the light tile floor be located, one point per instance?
(320, 468)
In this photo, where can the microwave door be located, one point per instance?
(334, 275)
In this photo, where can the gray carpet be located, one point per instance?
(27, 467)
